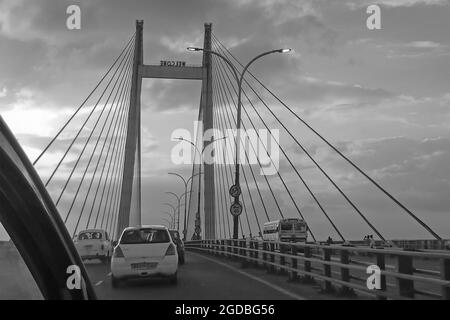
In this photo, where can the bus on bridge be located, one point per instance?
(286, 230)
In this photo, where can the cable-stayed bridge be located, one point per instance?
(96, 182)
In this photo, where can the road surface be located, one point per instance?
(203, 278)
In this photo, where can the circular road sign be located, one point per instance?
(236, 209)
(235, 191)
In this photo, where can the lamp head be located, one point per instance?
(194, 49)
(285, 50)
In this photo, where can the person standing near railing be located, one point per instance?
(372, 242)
(329, 240)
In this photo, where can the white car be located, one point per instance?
(93, 244)
(143, 252)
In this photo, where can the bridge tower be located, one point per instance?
(207, 112)
(130, 198)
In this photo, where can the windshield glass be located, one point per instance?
(141, 236)
(89, 235)
(286, 226)
(299, 227)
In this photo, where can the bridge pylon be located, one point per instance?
(130, 197)
(207, 113)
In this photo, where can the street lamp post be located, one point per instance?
(179, 204)
(186, 182)
(173, 210)
(167, 220)
(197, 231)
(172, 219)
(235, 190)
(185, 204)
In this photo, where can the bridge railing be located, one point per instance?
(403, 274)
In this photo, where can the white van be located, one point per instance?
(93, 244)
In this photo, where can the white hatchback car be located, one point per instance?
(142, 252)
(93, 244)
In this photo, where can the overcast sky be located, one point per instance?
(382, 96)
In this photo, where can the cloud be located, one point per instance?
(398, 161)
(321, 95)
(423, 44)
(395, 3)
(415, 49)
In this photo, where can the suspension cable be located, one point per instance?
(83, 103)
(90, 159)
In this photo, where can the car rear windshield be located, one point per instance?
(142, 236)
(89, 235)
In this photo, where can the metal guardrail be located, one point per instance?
(404, 274)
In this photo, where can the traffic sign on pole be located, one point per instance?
(236, 209)
(235, 191)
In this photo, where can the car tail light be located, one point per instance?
(118, 252)
(170, 250)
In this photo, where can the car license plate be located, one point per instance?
(144, 265)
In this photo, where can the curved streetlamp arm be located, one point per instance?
(185, 193)
(196, 149)
(200, 153)
(170, 205)
(254, 59)
(185, 140)
(174, 194)
(170, 215)
(172, 218)
(193, 177)
(170, 223)
(235, 72)
(180, 176)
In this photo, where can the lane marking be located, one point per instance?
(270, 285)
(99, 283)
(109, 274)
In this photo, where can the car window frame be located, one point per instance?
(33, 223)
